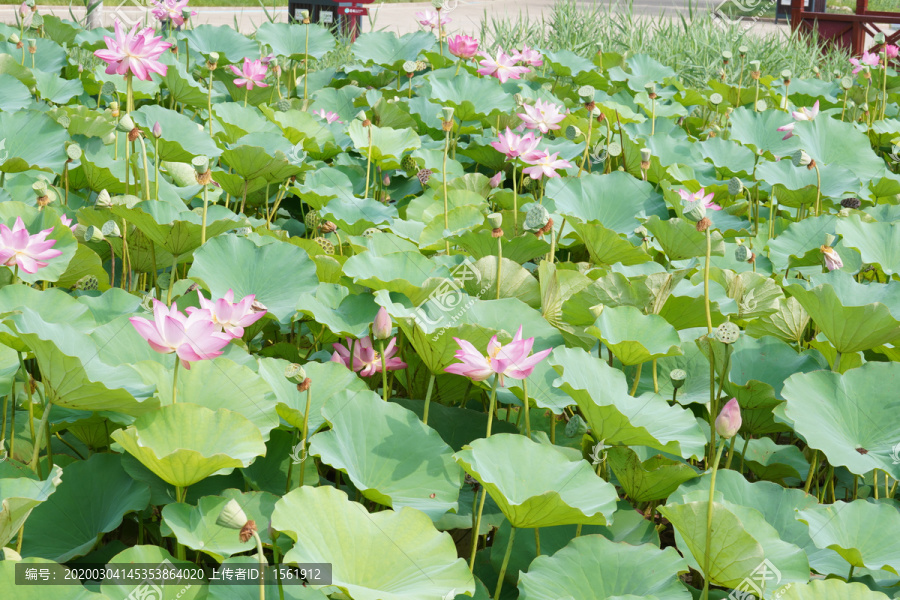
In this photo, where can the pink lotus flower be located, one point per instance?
(543, 163)
(382, 325)
(503, 67)
(68, 223)
(366, 361)
(192, 338)
(496, 179)
(463, 46)
(699, 196)
(514, 146)
(511, 360)
(135, 52)
(729, 420)
(229, 315)
(804, 114)
(171, 11)
(330, 117)
(253, 73)
(891, 51)
(28, 252)
(869, 59)
(832, 258)
(432, 19)
(24, 9)
(529, 56)
(543, 115)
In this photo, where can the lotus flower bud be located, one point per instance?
(496, 179)
(232, 516)
(111, 229)
(382, 326)
(103, 199)
(495, 220)
(728, 423)
(801, 159)
(879, 38)
(295, 373)
(200, 164)
(851, 203)
(677, 377)
(73, 151)
(125, 124)
(157, 130)
(728, 332)
(93, 234)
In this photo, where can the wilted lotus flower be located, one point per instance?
(229, 315)
(511, 360)
(134, 52)
(330, 117)
(543, 163)
(432, 19)
(529, 56)
(28, 252)
(832, 258)
(503, 67)
(869, 59)
(382, 326)
(804, 114)
(514, 146)
(192, 338)
(729, 420)
(543, 116)
(366, 361)
(173, 11)
(463, 46)
(252, 73)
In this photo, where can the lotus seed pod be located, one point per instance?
(243, 231)
(536, 217)
(438, 4)
(32, 44)
(78, 231)
(829, 239)
(575, 427)
(409, 163)
(614, 149)
(741, 254)
(424, 175)
(677, 377)
(327, 227)
(587, 92)
(447, 111)
(853, 203)
(846, 83)
(645, 154)
(111, 229)
(727, 56)
(786, 75)
(547, 86)
(14, 38)
(529, 184)
(650, 87)
(572, 132)
(312, 220)
(164, 280)
(39, 187)
(693, 210)
(371, 231)
(743, 50)
(295, 373)
(232, 516)
(801, 159)
(735, 186)
(93, 234)
(421, 65)
(641, 231)
(361, 115)
(73, 151)
(715, 99)
(879, 38)
(283, 105)
(125, 124)
(200, 164)
(103, 199)
(495, 220)
(728, 332)
(108, 88)
(87, 283)
(519, 99)
(409, 66)
(64, 120)
(327, 247)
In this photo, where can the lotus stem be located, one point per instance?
(499, 263)
(725, 367)
(66, 182)
(146, 170)
(205, 208)
(578, 530)
(305, 433)
(306, 65)
(156, 167)
(368, 162)
(171, 279)
(587, 145)
(428, 398)
(637, 379)
(476, 528)
(655, 379)
(709, 517)
(290, 471)
(874, 483)
(883, 80)
(652, 118)
(385, 392)
(837, 363)
(5, 410)
(129, 91)
(35, 463)
(844, 104)
(526, 403)
(244, 197)
(712, 400)
(509, 546)
(175, 381)
(537, 543)
(553, 428)
(730, 454)
(446, 206)
(515, 202)
(246, 95)
(124, 254)
(744, 450)
(706, 281)
(262, 566)
(812, 471)
(209, 102)
(127, 165)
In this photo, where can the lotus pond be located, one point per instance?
(524, 324)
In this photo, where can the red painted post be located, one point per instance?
(859, 29)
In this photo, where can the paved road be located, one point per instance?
(466, 14)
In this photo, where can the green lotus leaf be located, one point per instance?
(173, 589)
(182, 139)
(736, 159)
(853, 316)
(568, 64)
(369, 440)
(343, 313)
(240, 264)
(85, 262)
(35, 221)
(270, 473)
(459, 221)
(13, 67)
(404, 272)
(830, 589)
(296, 41)
(261, 154)
(304, 128)
(754, 294)
(798, 247)
(92, 498)
(390, 50)
(794, 186)
(473, 98)
(680, 239)
(179, 232)
(734, 553)
(355, 215)
(774, 462)
(602, 395)
(33, 141)
(406, 557)
(457, 426)
(787, 323)
(852, 417)
(387, 145)
(878, 243)
(607, 247)
(652, 479)
(54, 88)
(73, 591)
(847, 528)
(854, 153)
(598, 199)
(565, 492)
(196, 527)
(693, 362)
(634, 337)
(182, 85)
(322, 185)
(759, 130)
(185, 443)
(21, 493)
(231, 45)
(13, 94)
(592, 567)
(642, 69)
(233, 121)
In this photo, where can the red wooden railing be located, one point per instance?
(844, 30)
